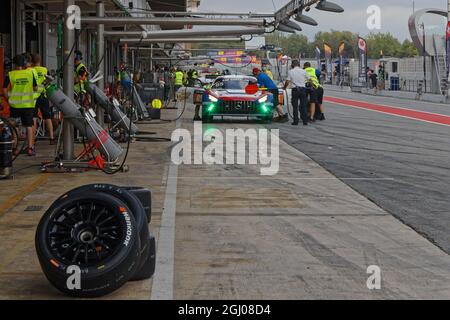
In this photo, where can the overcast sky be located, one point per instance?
(394, 13)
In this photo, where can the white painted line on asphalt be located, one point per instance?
(162, 285)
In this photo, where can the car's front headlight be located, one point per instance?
(212, 98)
(263, 99)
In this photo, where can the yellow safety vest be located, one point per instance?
(41, 73)
(21, 95)
(312, 73)
(179, 78)
(79, 87)
(269, 73)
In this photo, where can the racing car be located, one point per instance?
(228, 97)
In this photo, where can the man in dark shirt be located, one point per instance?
(374, 81)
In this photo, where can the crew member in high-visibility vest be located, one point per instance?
(116, 82)
(315, 92)
(185, 78)
(42, 102)
(178, 81)
(194, 75)
(80, 76)
(267, 71)
(29, 64)
(19, 88)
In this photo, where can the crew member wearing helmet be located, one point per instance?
(265, 82)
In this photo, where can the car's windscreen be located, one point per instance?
(230, 84)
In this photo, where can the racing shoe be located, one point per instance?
(322, 117)
(31, 152)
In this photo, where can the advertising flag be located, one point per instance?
(341, 49)
(318, 55)
(362, 52)
(447, 38)
(328, 61)
(341, 60)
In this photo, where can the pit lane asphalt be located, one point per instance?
(400, 164)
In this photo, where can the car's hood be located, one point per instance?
(236, 94)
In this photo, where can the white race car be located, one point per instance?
(228, 97)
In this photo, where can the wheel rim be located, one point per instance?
(85, 233)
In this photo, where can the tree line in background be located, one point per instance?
(377, 44)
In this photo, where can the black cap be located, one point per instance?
(20, 60)
(78, 55)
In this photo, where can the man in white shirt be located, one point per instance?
(298, 78)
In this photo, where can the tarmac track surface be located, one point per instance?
(395, 152)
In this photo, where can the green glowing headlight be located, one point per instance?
(263, 99)
(264, 108)
(211, 107)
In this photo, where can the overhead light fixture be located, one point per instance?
(325, 5)
(300, 17)
(285, 28)
(292, 24)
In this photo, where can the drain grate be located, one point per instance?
(33, 208)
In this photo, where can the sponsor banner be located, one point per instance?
(341, 51)
(318, 55)
(447, 38)
(237, 60)
(328, 61)
(362, 53)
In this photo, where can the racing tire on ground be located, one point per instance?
(147, 269)
(96, 233)
(145, 198)
(136, 209)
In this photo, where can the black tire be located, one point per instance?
(145, 198)
(148, 268)
(110, 254)
(136, 209)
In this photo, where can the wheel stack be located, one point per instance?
(101, 231)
